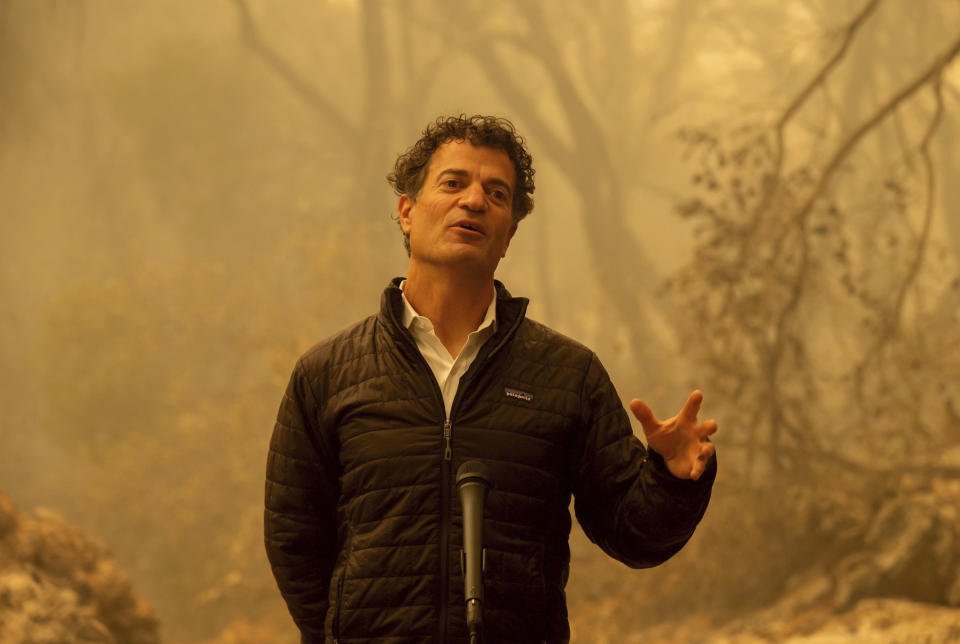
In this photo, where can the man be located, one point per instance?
(362, 522)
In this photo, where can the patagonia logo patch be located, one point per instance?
(518, 394)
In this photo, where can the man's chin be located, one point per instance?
(461, 257)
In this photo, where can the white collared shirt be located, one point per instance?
(447, 369)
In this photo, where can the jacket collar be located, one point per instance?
(510, 311)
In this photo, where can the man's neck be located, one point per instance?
(455, 302)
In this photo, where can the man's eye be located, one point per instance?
(451, 183)
(499, 195)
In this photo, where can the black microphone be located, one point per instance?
(472, 483)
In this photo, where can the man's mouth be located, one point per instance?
(466, 225)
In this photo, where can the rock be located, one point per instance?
(870, 561)
(870, 621)
(59, 587)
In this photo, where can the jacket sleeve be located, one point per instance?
(300, 507)
(626, 499)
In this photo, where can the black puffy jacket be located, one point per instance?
(362, 522)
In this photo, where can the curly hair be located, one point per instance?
(410, 170)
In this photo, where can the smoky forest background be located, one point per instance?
(758, 199)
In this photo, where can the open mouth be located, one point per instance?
(466, 225)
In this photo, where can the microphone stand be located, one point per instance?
(472, 484)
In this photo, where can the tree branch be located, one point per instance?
(844, 149)
(794, 106)
(773, 186)
(894, 316)
(848, 33)
(931, 197)
(799, 219)
(251, 36)
(501, 78)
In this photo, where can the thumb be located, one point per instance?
(644, 415)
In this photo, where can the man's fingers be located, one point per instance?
(706, 451)
(644, 415)
(697, 470)
(692, 407)
(708, 427)
(700, 464)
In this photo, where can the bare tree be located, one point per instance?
(780, 257)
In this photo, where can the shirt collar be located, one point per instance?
(411, 317)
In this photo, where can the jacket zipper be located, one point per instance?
(447, 433)
(445, 529)
(447, 437)
(446, 461)
(446, 475)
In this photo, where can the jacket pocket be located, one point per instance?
(516, 592)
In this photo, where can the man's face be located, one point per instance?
(462, 216)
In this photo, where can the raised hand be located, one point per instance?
(681, 440)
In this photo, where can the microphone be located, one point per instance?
(472, 483)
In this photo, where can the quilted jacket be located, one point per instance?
(362, 520)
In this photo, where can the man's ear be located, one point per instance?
(404, 206)
(513, 229)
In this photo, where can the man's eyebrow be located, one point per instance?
(454, 171)
(463, 173)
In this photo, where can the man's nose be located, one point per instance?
(473, 197)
